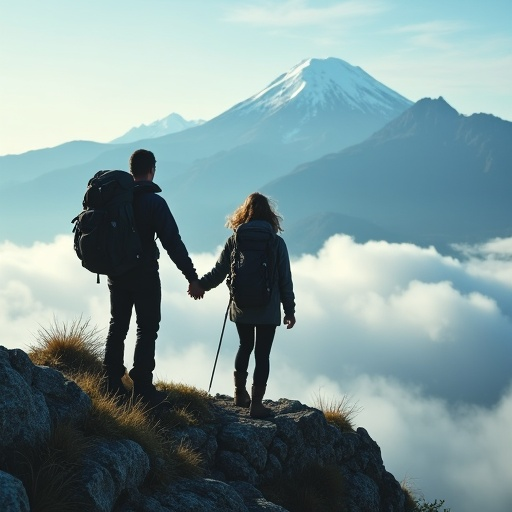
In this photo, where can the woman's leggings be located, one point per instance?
(259, 338)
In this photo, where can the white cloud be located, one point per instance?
(490, 260)
(458, 453)
(420, 341)
(293, 13)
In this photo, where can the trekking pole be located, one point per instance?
(220, 342)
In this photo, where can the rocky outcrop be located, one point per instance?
(241, 456)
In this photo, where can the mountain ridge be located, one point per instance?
(421, 177)
(170, 124)
(431, 176)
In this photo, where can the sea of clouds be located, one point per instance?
(419, 343)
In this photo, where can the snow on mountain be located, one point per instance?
(171, 124)
(325, 84)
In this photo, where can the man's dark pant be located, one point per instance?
(141, 289)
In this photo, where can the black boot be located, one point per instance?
(150, 396)
(258, 410)
(113, 387)
(242, 398)
(111, 383)
(145, 392)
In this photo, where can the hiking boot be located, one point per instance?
(242, 397)
(150, 396)
(257, 409)
(114, 388)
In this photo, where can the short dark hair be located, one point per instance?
(141, 162)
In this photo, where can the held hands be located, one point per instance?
(195, 290)
(289, 321)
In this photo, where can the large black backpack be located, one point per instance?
(253, 266)
(105, 237)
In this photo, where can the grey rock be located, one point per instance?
(235, 466)
(13, 496)
(202, 495)
(33, 399)
(254, 500)
(66, 402)
(250, 442)
(24, 416)
(363, 494)
(239, 454)
(110, 468)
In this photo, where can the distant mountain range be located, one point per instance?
(173, 123)
(338, 150)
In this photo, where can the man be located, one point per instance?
(140, 287)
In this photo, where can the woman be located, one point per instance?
(256, 326)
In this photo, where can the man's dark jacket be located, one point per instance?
(154, 219)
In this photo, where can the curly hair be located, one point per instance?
(255, 207)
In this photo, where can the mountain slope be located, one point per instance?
(324, 84)
(431, 176)
(318, 107)
(30, 165)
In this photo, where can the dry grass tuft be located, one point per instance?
(415, 501)
(178, 461)
(192, 405)
(340, 413)
(51, 472)
(113, 420)
(71, 348)
(130, 419)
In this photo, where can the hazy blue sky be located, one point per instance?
(421, 342)
(93, 69)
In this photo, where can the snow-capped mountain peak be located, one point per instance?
(325, 84)
(171, 124)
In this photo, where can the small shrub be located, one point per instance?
(414, 502)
